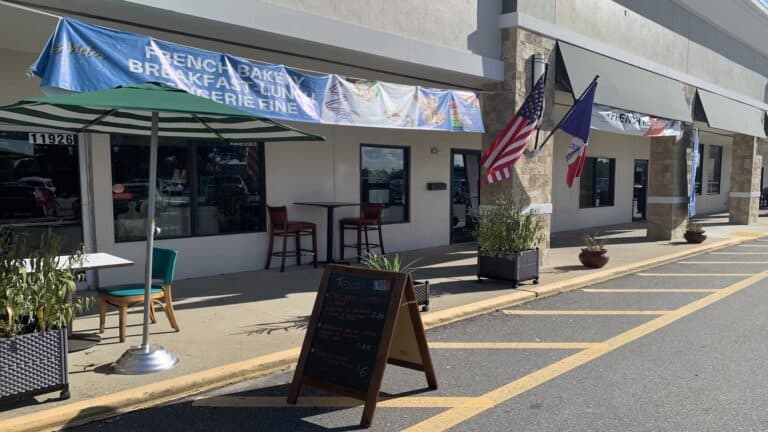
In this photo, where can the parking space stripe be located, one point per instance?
(752, 246)
(738, 253)
(692, 274)
(457, 415)
(341, 402)
(722, 262)
(511, 345)
(584, 312)
(647, 290)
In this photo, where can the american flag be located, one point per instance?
(509, 145)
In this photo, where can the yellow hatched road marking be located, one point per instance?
(647, 290)
(457, 415)
(511, 345)
(341, 402)
(723, 262)
(694, 274)
(585, 312)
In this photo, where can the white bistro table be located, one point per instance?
(92, 261)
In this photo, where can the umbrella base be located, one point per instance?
(142, 360)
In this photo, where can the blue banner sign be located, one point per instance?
(83, 57)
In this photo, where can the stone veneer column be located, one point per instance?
(667, 202)
(744, 198)
(531, 181)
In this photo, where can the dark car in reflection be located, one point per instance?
(20, 199)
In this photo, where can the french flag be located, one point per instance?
(577, 124)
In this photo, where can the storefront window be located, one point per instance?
(203, 188)
(597, 183)
(230, 189)
(40, 186)
(714, 169)
(384, 180)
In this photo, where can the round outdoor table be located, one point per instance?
(329, 206)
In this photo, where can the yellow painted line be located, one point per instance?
(738, 253)
(340, 402)
(457, 415)
(647, 290)
(747, 234)
(722, 262)
(694, 274)
(585, 312)
(511, 345)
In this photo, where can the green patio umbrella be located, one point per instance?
(155, 110)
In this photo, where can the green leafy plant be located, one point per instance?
(507, 228)
(37, 287)
(692, 226)
(593, 243)
(376, 261)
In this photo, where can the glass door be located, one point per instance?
(465, 193)
(640, 189)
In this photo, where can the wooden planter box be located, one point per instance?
(523, 267)
(33, 364)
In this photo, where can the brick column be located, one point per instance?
(531, 181)
(667, 202)
(744, 197)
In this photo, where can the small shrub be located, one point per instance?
(36, 288)
(593, 243)
(505, 229)
(376, 261)
(692, 226)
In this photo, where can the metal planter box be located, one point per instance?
(523, 267)
(421, 289)
(33, 364)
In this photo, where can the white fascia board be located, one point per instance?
(316, 29)
(546, 28)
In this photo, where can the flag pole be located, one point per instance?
(538, 149)
(538, 129)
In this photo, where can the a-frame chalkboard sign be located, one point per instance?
(362, 320)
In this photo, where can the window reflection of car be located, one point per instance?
(132, 191)
(20, 199)
(220, 188)
(172, 187)
(39, 182)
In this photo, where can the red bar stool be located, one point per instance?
(280, 226)
(369, 220)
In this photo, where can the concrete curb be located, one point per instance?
(114, 404)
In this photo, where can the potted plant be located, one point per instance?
(36, 304)
(594, 254)
(376, 261)
(507, 238)
(694, 233)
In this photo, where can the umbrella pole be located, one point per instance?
(152, 185)
(148, 358)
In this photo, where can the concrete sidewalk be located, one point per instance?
(236, 317)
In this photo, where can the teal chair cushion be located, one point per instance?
(127, 290)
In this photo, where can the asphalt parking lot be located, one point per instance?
(677, 347)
